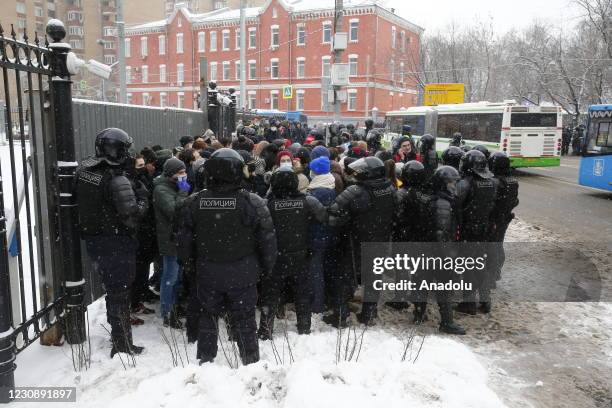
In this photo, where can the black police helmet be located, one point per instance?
(413, 174)
(114, 145)
(406, 129)
(452, 156)
(499, 164)
(369, 123)
(427, 142)
(284, 182)
(475, 162)
(483, 149)
(368, 168)
(224, 167)
(445, 180)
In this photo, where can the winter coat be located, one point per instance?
(336, 172)
(322, 188)
(167, 200)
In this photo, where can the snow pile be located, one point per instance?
(445, 374)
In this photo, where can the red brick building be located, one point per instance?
(288, 43)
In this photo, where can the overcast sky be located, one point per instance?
(434, 15)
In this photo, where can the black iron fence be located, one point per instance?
(221, 111)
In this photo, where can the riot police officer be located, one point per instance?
(412, 204)
(501, 216)
(109, 209)
(452, 157)
(229, 233)
(429, 157)
(457, 140)
(367, 210)
(293, 214)
(482, 149)
(374, 140)
(477, 192)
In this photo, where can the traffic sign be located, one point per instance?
(287, 92)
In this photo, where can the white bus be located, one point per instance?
(529, 135)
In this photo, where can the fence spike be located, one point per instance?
(13, 33)
(36, 40)
(1, 30)
(25, 35)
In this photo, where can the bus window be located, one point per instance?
(533, 120)
(473, 126)
(417, 123)
(394, 124)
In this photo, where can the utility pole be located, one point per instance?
(121, 56)
(243, 35)
(339, 10)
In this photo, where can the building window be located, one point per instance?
(76, 44)
(403, 40)
(225, 41)
(327, 32)
(180, 73)
(146, 99)
(352, 100)
(128, 99)
(301, 67)
(401, 72)
(145, 74)
(252, 69)
(213, 71)
(238, 72)
(226, 70)
(219, 4)
(274, 36)
(301, 35)
(237, 32)
(274, 12)
(353, 59)
(326, 66)
(213, 41)
(21, 8)
(252, 100)
(162, 45)
(73, 30)
(110, 59)
(110, 32)
(73, 15)
(180, 100)
(393, 37)
(274, 99)
(201, 41)
(38, 12)
(128, 48)
(299, 100)
(163, 100)
(274, 68)
(354, 30)
(179, 43)
(162, 73)
(128, 75)
(252, 37)
(144, 48)
(109, 45)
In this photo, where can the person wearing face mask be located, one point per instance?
(171, 190)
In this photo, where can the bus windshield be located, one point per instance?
(599, 137)
(473, 126)
(533, 120)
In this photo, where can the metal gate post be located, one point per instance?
(213, 108)
(66, 168)
(232, 112)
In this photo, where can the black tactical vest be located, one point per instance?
(223, 229)
(507, 196)
(290, 216)
(375, 224)
(97, 214)
(477, 210)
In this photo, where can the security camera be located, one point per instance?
(99, 69)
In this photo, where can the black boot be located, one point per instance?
(368, 314)
(303, 323)
(419, 312)
(335, 320)
(485, 307)
(123, 347)
(250, 357)
(468, 308)
(266, 324)
(446, 320)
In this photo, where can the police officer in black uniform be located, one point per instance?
(367, 210)
(457, 140)
(413, 204)
(374, 141)
(293, 214)
(429, 157)
(477, 192)
(452, 157)
(109, 209)
(230, 234)
(501, 216)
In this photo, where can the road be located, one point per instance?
(552, 198)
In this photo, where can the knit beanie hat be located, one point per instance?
(320, 165)
(319, 151)
(173, 166)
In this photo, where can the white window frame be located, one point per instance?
(163, 99)
(252, 99)
(20, 8)
(401, 73)
(213, 64)
(325, 60)
(110, 31)
(300, 27)
(392, 64)
(180, 45)
(128, 74)
(351, 22)
(252, 64)
(201, 41)
(161, 43)
(127, 47)
(323, 30)
(144, 74)
(351, 95)
(252, 36)
(274, 97)
(274, 61)
(180, 73)
(237, 38)
(38, 11)
(146, 99)
(144, 46)
(355, 65)
(237, 68)
(224, 46)
(225, 73)
(274, 28)
(300, 96)
(393, 37)
(163, 77)
(180, 100)
(212, 37)
(128, 98)
(403, 40)
(300, 61)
